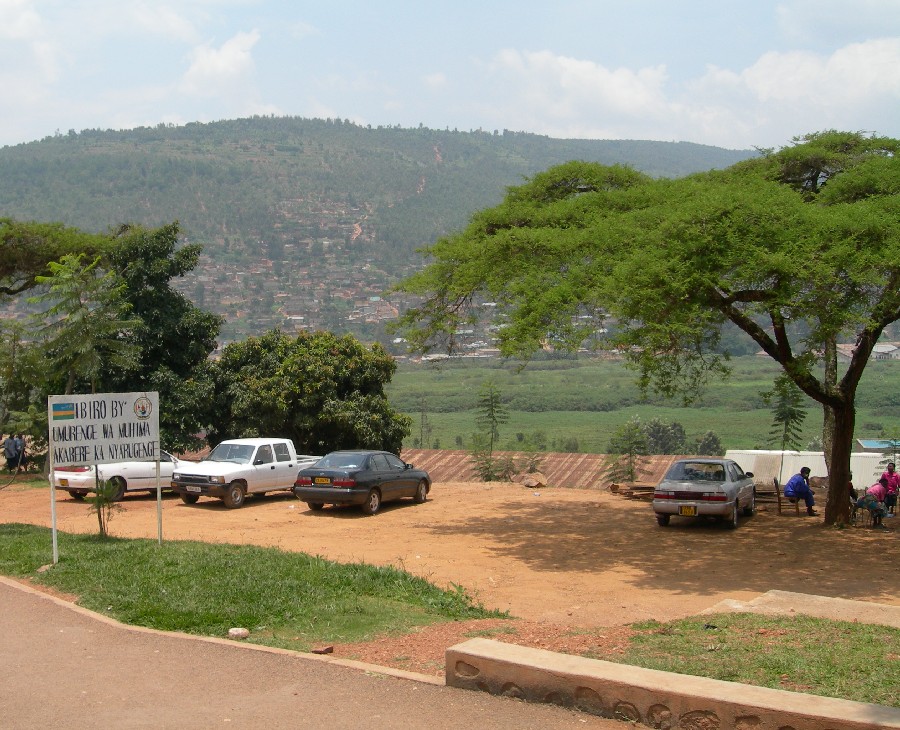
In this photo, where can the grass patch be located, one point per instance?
(288, 600)
(852, 661)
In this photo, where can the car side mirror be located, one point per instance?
(407, 466)
(258, 462)
(748, 474)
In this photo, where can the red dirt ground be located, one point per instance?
(573, 567)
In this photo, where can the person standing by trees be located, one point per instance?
(893, 487)
(11, 452)
(798, 488)
(20, 447)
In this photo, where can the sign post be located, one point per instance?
(100, 429)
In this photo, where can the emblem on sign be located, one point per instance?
(143, 407)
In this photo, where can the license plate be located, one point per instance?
(192, 488)
(687, 511)
(321, 480)
(64, 482)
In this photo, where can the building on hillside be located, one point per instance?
(881, 351)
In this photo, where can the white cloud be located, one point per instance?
(435, 80)
(301, 29)
(824, 22)
(163, 21)
(786, 94)
(19, 20)
(214, 68)
(561, 86)
(850, 74)
(779, 96)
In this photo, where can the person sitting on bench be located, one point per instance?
(873, 500)
(797, 488)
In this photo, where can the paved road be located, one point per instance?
(64, 667)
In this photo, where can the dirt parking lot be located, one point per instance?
(575, 566)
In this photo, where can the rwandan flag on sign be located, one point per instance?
(63, 411)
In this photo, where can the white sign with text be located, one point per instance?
(103, 428)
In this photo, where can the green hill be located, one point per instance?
(301, 220)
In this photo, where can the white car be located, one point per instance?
(128, 476)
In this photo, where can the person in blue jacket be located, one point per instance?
(798, 488)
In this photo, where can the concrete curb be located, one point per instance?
(654, 698)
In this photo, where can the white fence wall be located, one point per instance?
(766, 465)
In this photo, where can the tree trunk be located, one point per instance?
(829, 380)
(837, 509)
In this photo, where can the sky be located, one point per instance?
(731, 73)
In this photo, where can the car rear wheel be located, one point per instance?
(118, 489)
(733, 522)
(315, 506)
(421, 492)
(372, 503)
(189, 498)
(234, 495)
(663, 520)
(750, 509)
(78, 495)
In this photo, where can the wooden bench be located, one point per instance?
(787, 501)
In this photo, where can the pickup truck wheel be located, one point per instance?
(234, 495)
(189, 498)
(421, 492)
(372, 503)
(118, 491)
(315, 506)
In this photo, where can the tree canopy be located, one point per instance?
(322, 391)
(174, 337)
(85, 324)
(27, 247)
(799, 248)
(106, 321)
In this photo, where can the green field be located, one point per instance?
(578, 404)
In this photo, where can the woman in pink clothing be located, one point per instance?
(873, 500)
(893, 487)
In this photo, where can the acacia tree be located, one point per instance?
(799, 248)
(27, 248)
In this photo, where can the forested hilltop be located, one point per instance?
(304, 222)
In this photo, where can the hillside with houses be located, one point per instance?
(305, 223)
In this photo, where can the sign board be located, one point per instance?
(103, 428)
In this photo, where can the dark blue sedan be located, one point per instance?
(364, 478)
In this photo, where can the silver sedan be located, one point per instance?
(705, 488)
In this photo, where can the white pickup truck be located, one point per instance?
(238, 467)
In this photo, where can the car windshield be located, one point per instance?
(685, 471)
(237, 453)
(341, 461)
